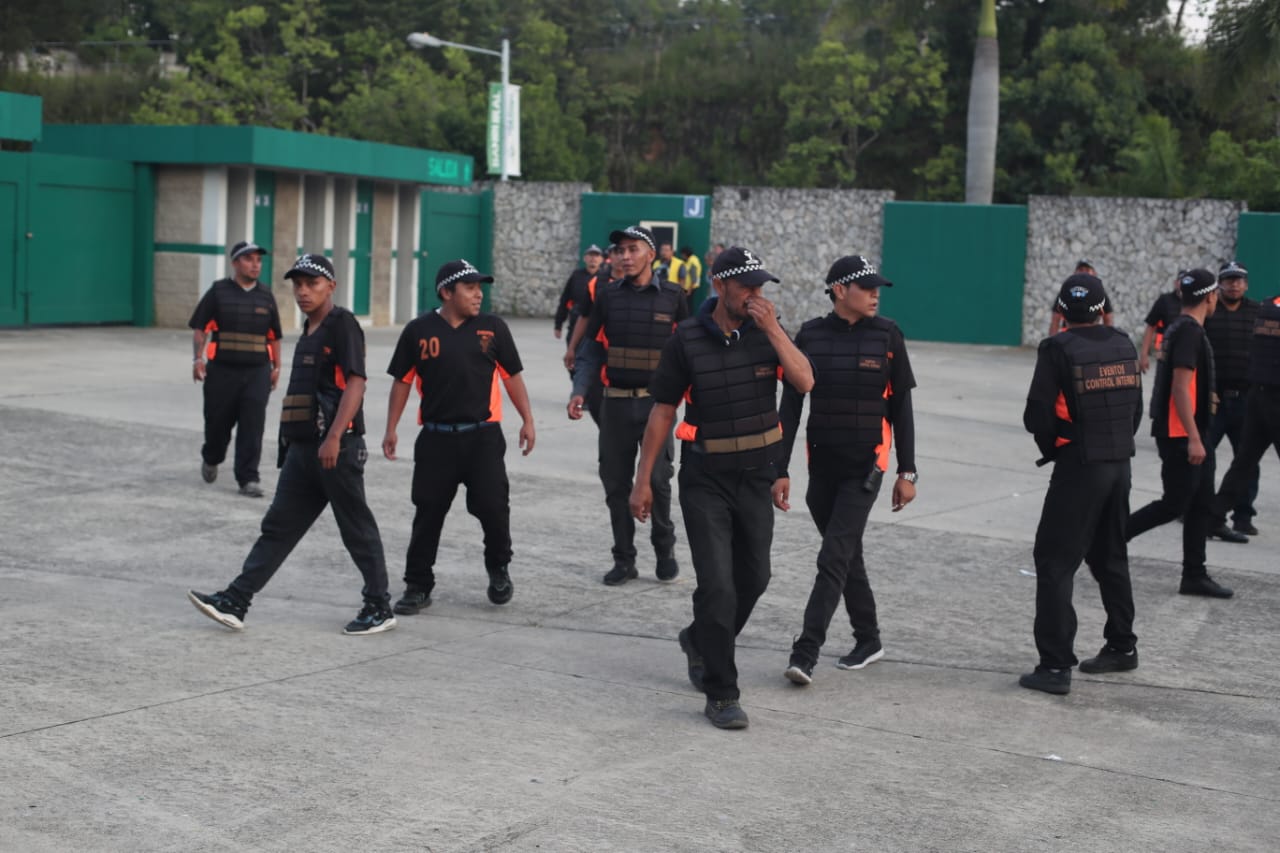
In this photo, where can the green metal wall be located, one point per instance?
(606, 212)
(957, 270)
(453, 226)
(73, 222)
(1258, 249)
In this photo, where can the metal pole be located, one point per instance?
(506, 79)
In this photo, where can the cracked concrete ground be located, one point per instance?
(563, 721)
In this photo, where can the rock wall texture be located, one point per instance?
(1137, 246)
(798, 234)
(536, 229)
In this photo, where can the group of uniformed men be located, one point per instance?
(633, 332)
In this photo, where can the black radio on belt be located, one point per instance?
(872, 483)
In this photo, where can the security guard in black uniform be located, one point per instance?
(322, 458)
(1181, 411)
(1163, 311)
(724, 362)
(1262, 410)
(577, 341)
(458, 355)
(633, 317)
(569, 308)
(238, 320)
(861, 402)
(1230, 331)
(1084, 406)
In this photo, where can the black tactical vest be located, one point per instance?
(1104, 393)
(244, 319)
(638, 324)
(316, 386)
(1231, 334)
(732, 397)
(1264, 361)
(848, 406)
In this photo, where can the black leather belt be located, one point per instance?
(430, 427)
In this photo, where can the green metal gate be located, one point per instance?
(70, 225)
(363, 251)
(453, 226)
(958, 271)
(1258, 250)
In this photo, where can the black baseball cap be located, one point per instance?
(855, 269)
(246, 248)
(1232, 269)
(593, 249)
(459, 270)
(1086, 263)
(634, 232)
(742, 264)
(1081, 298)
(1195, 285)
(312, 265)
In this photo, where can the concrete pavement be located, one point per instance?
(564, 721)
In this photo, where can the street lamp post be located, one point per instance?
(421, 40)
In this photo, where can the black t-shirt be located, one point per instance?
(1186, 346)
(1163, 310)
(458, 370)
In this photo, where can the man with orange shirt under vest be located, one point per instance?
(1083, 408)
(632, 318)
(1181, 412)
(724, 364)
(238, 321)
(458, 356)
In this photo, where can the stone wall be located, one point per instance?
(536, 232)
(1136, 244)
(798, 234)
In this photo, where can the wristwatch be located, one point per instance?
(909, 476)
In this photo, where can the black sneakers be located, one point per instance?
(1110, 660)
(413, 600)
(1055, 681)
(667, 570)
(1205, 586)
(726, 714)
(251, 489)
(620, 574)
(208, 472)
(696, 667)
(864, 652)
(500, 589)
(374, 618)
(1245, 527)
(1226, 534)
(220, 607)
(800, 671)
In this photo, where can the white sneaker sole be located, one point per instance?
(378, 629)
(875, 657)
(796, 675)
(225, 619)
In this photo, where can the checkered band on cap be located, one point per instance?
(1189, 281)
(467, 269)
(636, 234)
(313, 265)
(867, 269)
(1232, 269)
(1092, 309)
(750, 264)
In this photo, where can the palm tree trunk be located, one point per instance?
(984, 110)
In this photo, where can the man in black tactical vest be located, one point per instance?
(577, 340)
(1230, 331)
(238, 320)
(1084, 406)
(861, 401)
(724, 363)
(1181, 411)
(322, 458)
(632, 317)
(457, 355)
(1262, 411)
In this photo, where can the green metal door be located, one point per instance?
(453, 226)
(363, 251)
(1258, 251)
(81, 252)
(957, 269)
(264, 221)
(13, 237)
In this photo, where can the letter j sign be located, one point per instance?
(695, 207)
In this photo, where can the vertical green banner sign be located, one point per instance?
(503, 119)
(494, 146)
